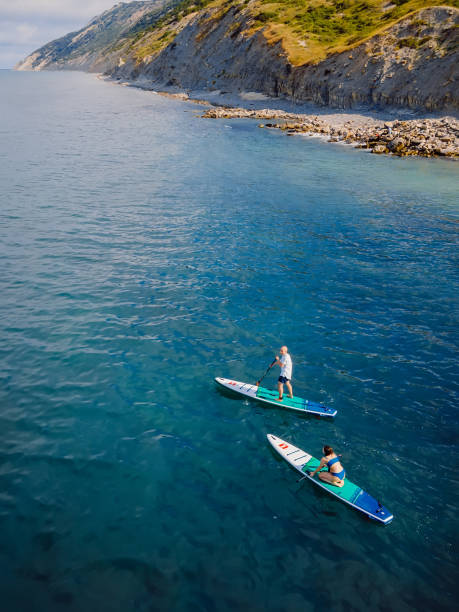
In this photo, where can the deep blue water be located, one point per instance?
(145, 251)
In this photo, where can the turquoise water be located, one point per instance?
(145, 251)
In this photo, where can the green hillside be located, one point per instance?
(309, 29)
(312, 29)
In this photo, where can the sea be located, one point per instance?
(145, 251)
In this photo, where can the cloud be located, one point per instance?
(26, 25)
(54, 9)
(12, 33)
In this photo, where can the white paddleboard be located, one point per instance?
(349, 493)
(267, 396)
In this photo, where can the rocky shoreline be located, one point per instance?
(423, 137)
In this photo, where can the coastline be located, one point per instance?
(400, 132)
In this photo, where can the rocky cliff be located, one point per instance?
(95, 47)
(412, 62)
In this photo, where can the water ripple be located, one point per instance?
(144, 253)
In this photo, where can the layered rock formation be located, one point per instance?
(387, 70)
(412, 63)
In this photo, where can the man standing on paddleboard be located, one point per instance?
(285, 363)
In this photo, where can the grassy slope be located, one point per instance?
(309, 29)
(312, 29)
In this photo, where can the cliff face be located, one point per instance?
(94, 47)
(412, 63)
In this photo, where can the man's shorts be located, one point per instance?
(283, 379)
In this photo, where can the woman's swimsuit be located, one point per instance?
(335, 474)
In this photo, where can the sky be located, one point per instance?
(26, 25)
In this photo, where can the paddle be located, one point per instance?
(270, 366)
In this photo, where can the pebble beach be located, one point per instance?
(424, 137)
(381, 133)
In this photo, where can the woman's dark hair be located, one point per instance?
(327, 450)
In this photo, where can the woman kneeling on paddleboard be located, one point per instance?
(336, 473)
